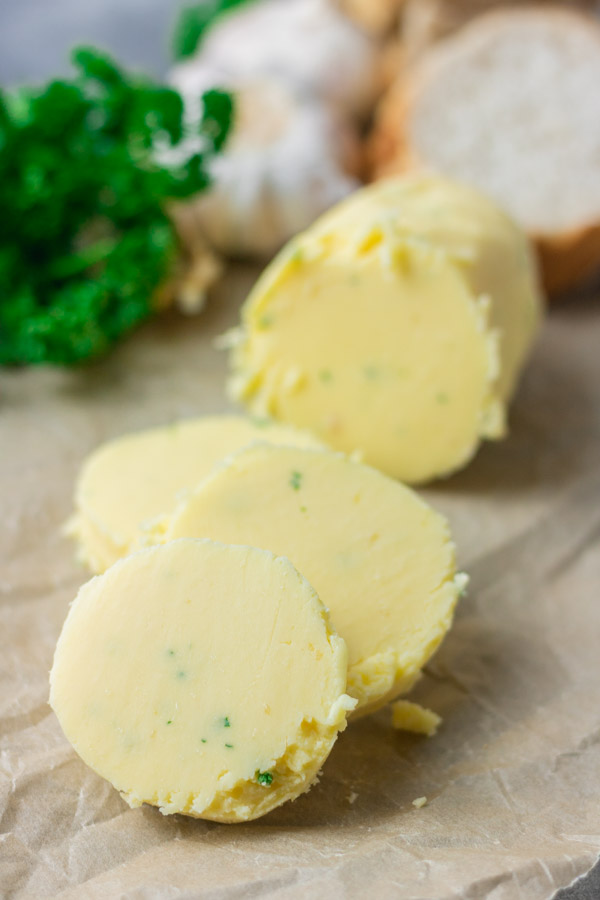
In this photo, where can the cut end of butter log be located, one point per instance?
(397, 325)
(381, 560)
(130, 482)
(201, 678)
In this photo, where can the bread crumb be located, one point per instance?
(420, 802)
(352, 796)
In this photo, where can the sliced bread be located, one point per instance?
(426, 21)
(510, 104)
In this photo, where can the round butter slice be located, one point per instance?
(380, 558)
(396, 325)
(202, 679)
(133, 480)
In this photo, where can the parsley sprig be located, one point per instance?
(84, 236)
(264, 778)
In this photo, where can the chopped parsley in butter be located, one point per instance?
(255, 619)
(131, 483)
(381, 559)
(387, 286)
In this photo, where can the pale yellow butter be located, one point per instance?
(380, 558)
(133, 480)
(396, 325)
(408, 716)
(201, 678)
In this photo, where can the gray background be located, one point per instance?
(37, 35)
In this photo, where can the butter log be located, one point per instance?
(129, 482)
(397, 325)
(380, 558)
(201, 678)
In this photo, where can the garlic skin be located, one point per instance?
(308, 43)
(288, 159)
(375, 16)
(197, 269)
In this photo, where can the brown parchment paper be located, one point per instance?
(513, 776)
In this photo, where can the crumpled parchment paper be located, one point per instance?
(513, 777)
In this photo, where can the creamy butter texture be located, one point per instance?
(201, 678)
(135, 479)
(407, 716)
(380, 558)
(396, 325)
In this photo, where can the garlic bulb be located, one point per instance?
(308, 43)
(303, 76)
(288, 159)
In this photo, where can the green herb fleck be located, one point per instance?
(264, 322)
(296, 480)
(325, 375)
(226, 722)
(203, 740)
(264, 777)
(181, 675)
(442, 398)
(371, 372)
(295, 253)
(260, 421)
(170, 653)
(229, 746)
(169, 721)
(302, 509)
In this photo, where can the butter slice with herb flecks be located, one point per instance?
(135, 480)
(396, 325)
(201, 678)
(379, 557)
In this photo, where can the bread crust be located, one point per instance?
(426, 21)
(567, 258)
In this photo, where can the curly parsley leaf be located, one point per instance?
(84, 237)
(264, 778)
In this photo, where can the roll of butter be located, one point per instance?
(133, 480)
(203, 679)
(396, 325)
(380, 558)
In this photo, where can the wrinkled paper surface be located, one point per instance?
(513, 776)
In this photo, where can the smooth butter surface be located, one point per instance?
(201, 678)
(396, 326)
(137, 478)
(380, 559)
